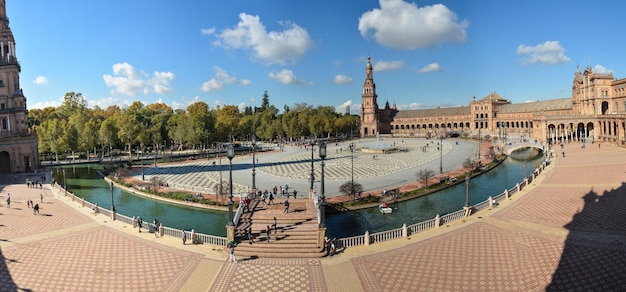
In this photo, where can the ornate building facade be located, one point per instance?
(595, 112)
(18, 147)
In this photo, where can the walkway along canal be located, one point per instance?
(85, 182)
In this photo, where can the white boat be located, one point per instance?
(385, 209)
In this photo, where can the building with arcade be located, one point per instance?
(596, 111)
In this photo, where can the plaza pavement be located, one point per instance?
(563, 233)
(292, 167)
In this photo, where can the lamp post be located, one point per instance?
(312, 143)
(64, 183)
(322, 150)
(253, 163)
(352, 169)
(467, 179)
(112, 203)
(480, 141)
(230, 153)
(219, 149)
(143, 177)
(441, 155)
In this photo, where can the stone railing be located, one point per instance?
(196, 238)
(406, 231)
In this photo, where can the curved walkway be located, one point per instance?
(293, 167)
(565, 232)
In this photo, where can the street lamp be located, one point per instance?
(467, 179)
(312, 143)
(112, 204)
(253, 162)
(322, 150)
(65, 182)
(143, 177)
(352, 168)
(230, 153)
(441, 155)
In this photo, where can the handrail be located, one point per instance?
(432, 223)
(200, 238)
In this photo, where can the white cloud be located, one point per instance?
(208, 31)
(127, 81)
(220, 80)
(432, 67)
(286, 76)
(342, 79)
(274, 47)
(383, 66)
(401, 25)
(547, 53)
(354, 108)
(600, 69)
(41, 80)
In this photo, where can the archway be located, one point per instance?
(5, 162)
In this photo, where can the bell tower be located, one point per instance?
(18, 146)
(369, 105)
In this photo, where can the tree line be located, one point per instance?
(73, 127)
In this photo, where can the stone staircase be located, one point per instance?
(296, 234)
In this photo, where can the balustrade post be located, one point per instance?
(526, 182)
(134, 222)
(161, 229)
(518, 187)
(112, 215)
(405, 231)
(83, 203)
(193, 236)
(437, 221)
(490, 202)
(506, 193)
(367, 238)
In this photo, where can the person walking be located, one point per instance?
(271, 199)
(184, 237)
(139, 223)
(9, 202)
(36, 209)
(232, 257)
(41, 198)
(275, 225)
(267, 233)
(286, 206)
(249, 234)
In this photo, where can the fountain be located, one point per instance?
(378, 147)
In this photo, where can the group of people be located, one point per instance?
(154, 226)
(29, 203)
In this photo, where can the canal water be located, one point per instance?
(85, 182)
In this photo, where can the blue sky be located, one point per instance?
(425, 53)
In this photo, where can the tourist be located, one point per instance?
(275, 225)
(232, 257)
(271, 199)
(36, 209)
(295, 193)
(41, 197)
(139, 220)
(246, 204)
(249, 234)
(287, 206)
(155, 227)
(267, 233)
(184, 237)
(8, 202)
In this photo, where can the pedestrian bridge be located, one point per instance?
(510, 148)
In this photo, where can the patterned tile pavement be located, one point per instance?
(564, 233)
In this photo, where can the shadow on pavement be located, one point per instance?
(594, 254)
